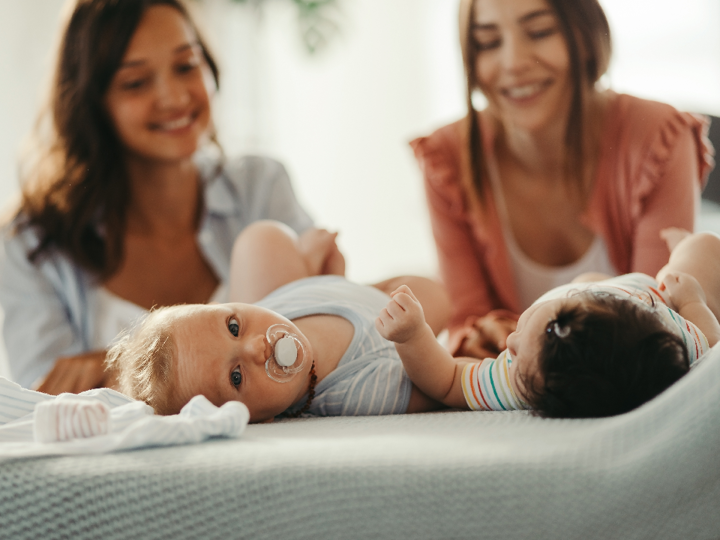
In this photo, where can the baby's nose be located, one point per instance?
(510, 343)
(259, 349)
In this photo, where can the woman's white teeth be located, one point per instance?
(176, 124)
(520, 92)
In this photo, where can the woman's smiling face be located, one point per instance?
(522, 62)
(221, 353)
(159, 98)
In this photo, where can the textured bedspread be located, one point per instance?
(653, 473)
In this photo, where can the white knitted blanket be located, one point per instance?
(651, 474)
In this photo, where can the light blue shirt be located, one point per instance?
(47, 306)
(370, 378)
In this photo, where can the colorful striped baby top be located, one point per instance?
(486, 386)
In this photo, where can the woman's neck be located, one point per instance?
(163, 196)
(542, 153)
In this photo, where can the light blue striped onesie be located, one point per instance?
(370, 378)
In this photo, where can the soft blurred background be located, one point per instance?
(340, 119)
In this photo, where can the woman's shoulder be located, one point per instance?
(17, 233)
(241, 182)
(634, 107)
(640, 122)
(445, 137)
(52, 269)
(439, 154)
(644, 134)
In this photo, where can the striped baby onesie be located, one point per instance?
(370, 378)
(487, 387)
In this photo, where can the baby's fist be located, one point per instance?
(402, 318)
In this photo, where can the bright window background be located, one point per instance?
(667, 50)
(341, 120)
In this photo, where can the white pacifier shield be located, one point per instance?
(288, 357)
(285, 351)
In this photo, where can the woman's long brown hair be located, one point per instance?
(75, 190)
(587, 33)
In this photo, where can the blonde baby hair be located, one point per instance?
(143, 360)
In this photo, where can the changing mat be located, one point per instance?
(653, 473)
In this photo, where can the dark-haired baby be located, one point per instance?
(587, 349)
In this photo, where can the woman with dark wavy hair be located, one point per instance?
(120, 211)
(556, 176)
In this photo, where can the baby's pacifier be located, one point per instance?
(288, 355)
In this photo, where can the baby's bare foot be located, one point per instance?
(673, 236)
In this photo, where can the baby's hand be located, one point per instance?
(402, 318)
(683, 289)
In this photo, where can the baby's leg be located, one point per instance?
(431, 295)
(698, 255)
(265, 256)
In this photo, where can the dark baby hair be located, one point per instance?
(602, 356)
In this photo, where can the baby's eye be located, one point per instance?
(234, 326)
(236, 377)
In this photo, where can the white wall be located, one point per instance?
(27, 31)
(667, 50)
(341, 120)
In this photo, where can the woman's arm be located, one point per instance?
(459, 260)
(76, 374)
(672, 202)
(38, 309)
(475, 328)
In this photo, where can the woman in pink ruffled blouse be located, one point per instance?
(555, 177)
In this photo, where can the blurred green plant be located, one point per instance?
(316, 20)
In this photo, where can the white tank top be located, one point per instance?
(533, 279)
(113, 314)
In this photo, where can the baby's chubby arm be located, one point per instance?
(691, 303)
(430, 367)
